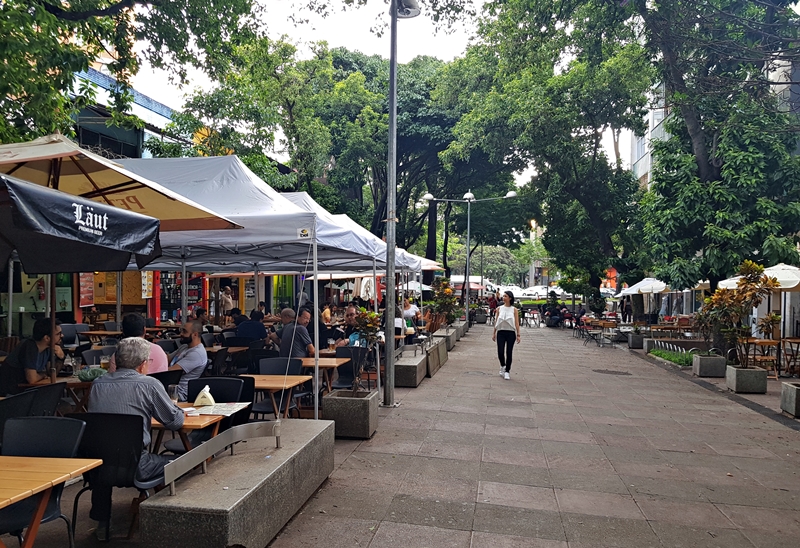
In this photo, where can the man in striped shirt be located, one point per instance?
(129, 391)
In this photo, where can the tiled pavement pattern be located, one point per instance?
(583, 447)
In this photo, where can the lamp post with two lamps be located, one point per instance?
(469, 199)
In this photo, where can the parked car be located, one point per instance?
(608, 292)
(536, 292)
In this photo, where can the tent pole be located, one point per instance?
(255, 285)
(119, 301)
(52, 301)
(375, 308)
(315, 293)
(10, 294)
(184, 288)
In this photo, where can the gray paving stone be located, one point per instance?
(508, 520)
(431, 512)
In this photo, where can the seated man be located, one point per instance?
(29, 361)
(349, 327)
(252, 329)
(295, 340)
(190, 357)
(287, 317)
(129, 391)
(133, 326)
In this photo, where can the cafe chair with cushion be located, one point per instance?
(117, 440)
(167, 378)
(46, 400)
(68, 336)
(110, 326)
(14, 407)
(54, 437)
(276, 366)
(223, 390)
(167, 345)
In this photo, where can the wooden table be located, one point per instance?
(189, 423)
(97, 335)
(665, 328)
(325, 353)
(231, 349)
(327, 365)
(23, 477)
(275, 383)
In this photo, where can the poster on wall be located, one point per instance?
(147, 285)
(63, 299)
(86, 287)
(111, 287)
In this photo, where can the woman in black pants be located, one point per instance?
(506, 331)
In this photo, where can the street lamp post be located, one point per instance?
(398, 9)
(468, 198)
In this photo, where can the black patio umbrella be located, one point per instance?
(52, 232)
(56, 232)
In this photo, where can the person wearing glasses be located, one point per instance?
(350, 327)
(28, 362)
(190, 357)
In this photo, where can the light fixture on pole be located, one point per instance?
(468, 198)
(398, 9)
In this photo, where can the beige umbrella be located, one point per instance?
(57, 162)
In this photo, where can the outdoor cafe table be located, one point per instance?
(23, 477)
(674, 328)
(275, 383)
(231, 349)
(190, 423)
(97, 335)
(327, 365)
(791, 353)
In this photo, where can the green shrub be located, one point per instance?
(684, 360)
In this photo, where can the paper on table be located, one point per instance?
(226, 409)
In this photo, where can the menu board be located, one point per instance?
(86, 287)
(147, 284)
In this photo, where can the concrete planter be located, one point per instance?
(355, 417)
(708, 366)
(635, 340)
(746, 381)
(448, 335)
(790, 402)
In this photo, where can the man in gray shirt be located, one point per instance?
(129, 391)
(190, 357)
(295, 340)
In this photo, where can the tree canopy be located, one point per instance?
(45, 43)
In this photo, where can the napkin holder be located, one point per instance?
(204, 398)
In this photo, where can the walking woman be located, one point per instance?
(506, 331)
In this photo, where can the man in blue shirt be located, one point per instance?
(252, 329)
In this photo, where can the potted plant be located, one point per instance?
(728, 309)
(636, 338)
(706, 363)
(445, 301)
(355, 410)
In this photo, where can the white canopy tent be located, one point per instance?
(643, 287)
(277, 235)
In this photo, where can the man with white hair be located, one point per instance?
(129, 391)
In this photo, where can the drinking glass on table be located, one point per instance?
(172, 390)
(104, 361)
(331, 344)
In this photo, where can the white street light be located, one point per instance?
(469, 197)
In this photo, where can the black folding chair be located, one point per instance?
(46, 399)
(276, 366)
(167, 378)
(53, 437)
(15, 406)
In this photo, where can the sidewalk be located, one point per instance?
(583, 447)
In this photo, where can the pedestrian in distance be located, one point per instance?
(506, 331)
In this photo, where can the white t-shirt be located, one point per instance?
(411, 312)
(505, 319)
